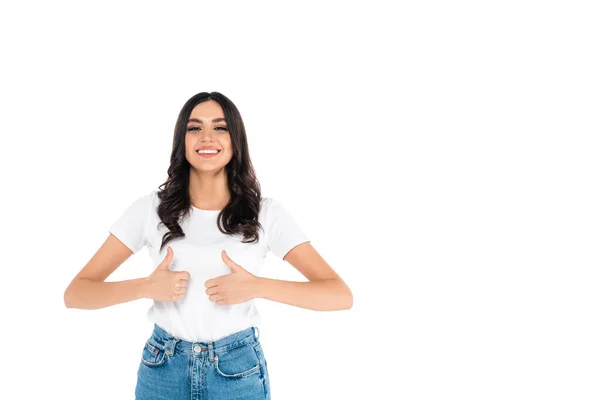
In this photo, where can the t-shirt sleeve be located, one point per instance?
(130, 227)
(283, 232)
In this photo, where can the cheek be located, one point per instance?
(189, 145)
(228, 145)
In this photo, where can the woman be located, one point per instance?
(207, 231)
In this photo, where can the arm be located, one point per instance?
(89, 291)
(325, 291)
(318, 295)
(88, 294)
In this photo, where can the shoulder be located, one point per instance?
(268, 204)
(152, 200)
(152, 196)
(143, 202)
(265, 203)
(272, 209)
(148, 198)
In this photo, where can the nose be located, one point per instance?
(207, 136)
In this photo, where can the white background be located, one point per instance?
(442, 156)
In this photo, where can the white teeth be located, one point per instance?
(207, 151)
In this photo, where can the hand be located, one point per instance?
(167, 285)
(238, 287)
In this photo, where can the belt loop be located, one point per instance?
(171, 349)
(210, 351)
(256, 332)
(175, 340)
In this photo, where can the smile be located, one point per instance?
(207, 153)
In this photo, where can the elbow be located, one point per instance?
(349, 300)
(66, 298)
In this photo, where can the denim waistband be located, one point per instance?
(172, 344)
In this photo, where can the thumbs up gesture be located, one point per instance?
(167, 285)
(237, 287)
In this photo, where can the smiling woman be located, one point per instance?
(208, 231)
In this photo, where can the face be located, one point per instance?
(207, 128)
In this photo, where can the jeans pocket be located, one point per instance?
(265, 370)
(153, 353)
(261, 355)
(239, 362)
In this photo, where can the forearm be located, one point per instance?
(321, 295)
(87, 294)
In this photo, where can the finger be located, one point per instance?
(166, 262)
(178, 296)
(215, 297)
(169, 257)
(184, 275)
(211, 283)
(232, 265)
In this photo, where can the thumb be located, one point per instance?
(233, 266)
(166, 262)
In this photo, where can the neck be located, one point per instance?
(207, 190)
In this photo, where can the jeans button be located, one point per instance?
(197, 349)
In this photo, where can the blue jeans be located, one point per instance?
(233, 367)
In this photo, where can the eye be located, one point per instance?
(193, 128)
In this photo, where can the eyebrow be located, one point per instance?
(198, 121)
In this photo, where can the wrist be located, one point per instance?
(260, 287)
(144, 288)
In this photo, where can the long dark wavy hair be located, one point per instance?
(240, 215)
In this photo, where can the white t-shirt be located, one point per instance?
(194, 317)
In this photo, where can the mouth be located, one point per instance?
(208, 153)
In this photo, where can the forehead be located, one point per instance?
(207, 110)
